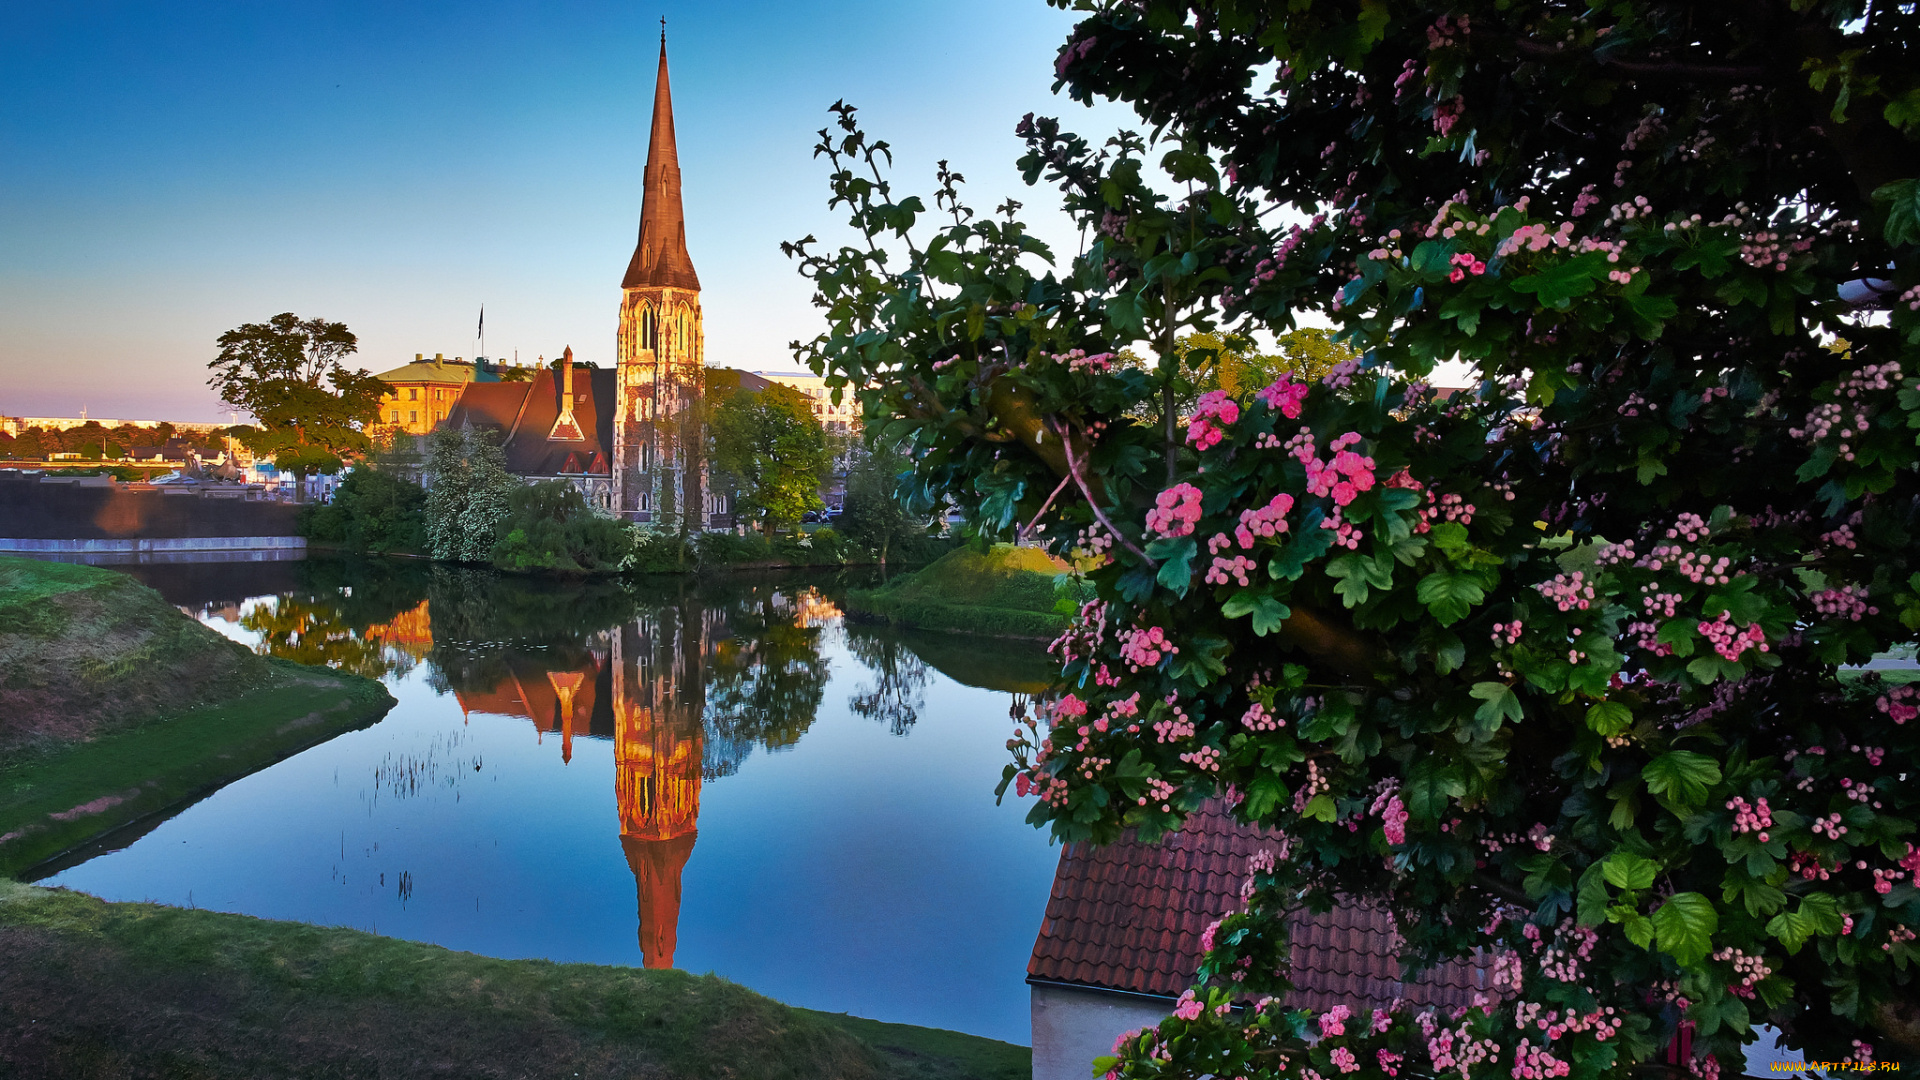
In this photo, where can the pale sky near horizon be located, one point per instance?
(174, 170)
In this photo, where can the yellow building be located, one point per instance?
(840, 419)
(424, 392)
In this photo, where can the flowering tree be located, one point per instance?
(1551, 668)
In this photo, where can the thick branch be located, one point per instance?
(1652, 69)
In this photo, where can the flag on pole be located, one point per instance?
(483, 318)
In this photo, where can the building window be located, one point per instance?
(413, 393)
(413, 417)
(396, 416)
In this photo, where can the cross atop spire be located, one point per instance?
(660, 258)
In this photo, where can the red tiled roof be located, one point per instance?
(1129, 916)
(525, 413)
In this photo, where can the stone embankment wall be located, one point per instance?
(102, 518)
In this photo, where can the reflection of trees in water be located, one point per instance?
(767, 677)
(327, 617)
(899, 683)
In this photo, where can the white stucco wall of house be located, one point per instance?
(1073, 1025)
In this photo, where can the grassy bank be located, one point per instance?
(1004, 592)
(59, 797)
(114, 706)
(84, 651)
(90, 989)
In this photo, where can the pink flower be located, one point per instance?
(1284, 395)
(1176, 511)
(1215, 408)
(1188, 1008)
(1343, 1060)
(1334, 1022)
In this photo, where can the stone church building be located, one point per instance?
(630, 438)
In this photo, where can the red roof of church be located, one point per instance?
(525, 413)
(1128, 916)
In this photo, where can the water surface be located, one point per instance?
(718, 776)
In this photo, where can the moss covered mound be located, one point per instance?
(84, 650)
(90, 989)
(1006, 591)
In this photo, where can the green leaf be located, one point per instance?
(1450, 596)
(1557, 285)
(1902, 200)
(1431, 784)
(1609, 718)
(1681, 777)
(1818, 915)
(1684, 926)
(1501, 703)
(1625, 870)
(1320, 808)
(1592, 897)
(1268, 614)
(1359, 574)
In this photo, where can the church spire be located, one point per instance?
(660, 258)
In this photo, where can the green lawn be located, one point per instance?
(58, 797)
(91, 989)
(1004, 592)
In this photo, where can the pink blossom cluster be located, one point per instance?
(1841, 537)
(1284, 396)
(1463, 264)
(1657, 603)
(1314, 786)
(1216, 409)
(1079, 362)
(1345, 533)
(1393, 821)
(1389, 1061)
(1340, 375)
(1754, 817)
(1902, 703)
(1235, 570)
(1346, 476)
(1175, 511)
(1158, 791)
(1260, 718)
(1448, 507)
(1266, 268)
(1334, 1021)
(1848, 602)
(1143, 647)
(1568, 591)
(1188, 1007)
(1911, 298)
(1748, 969)
(1440, 34)
(1536, 237)
(1530, 1063)
(1206, 758)
(1829, 825)
(1698, 567)
(1506, 633)
(1729, 640)
(1343, 1059)
(1264, 523)
(1689, 527)
(1769, 250)
(1899, 935)
(1174, 727)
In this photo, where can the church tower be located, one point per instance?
(659, 471)
(659, 705)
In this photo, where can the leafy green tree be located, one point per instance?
(290, 374)
(767, 679)
(774, 449)
(468, 491)
(900, 679)
(876, 516)
(1552, 669)
(549, 526)
(373, 510)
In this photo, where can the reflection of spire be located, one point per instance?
(658, 699)
(564, 684)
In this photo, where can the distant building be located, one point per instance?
(838, 419)
(424, 392)
(15, 425)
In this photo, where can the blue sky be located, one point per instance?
(173, 170)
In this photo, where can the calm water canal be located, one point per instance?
(715, 776)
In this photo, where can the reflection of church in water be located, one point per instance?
(645, 689)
